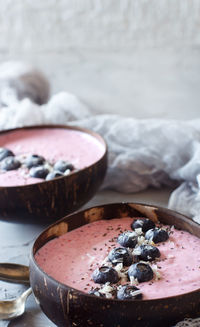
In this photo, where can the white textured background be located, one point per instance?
(135, 57)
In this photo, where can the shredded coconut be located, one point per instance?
(133, 280)
(141, 240)
(135, 293)
(157, 274)
(189, 323)
(106, 262)
(137, 251)
(107, 290)
(121, 272)
(119, 267)
(170, 256)
(139, 231)
(118, 260)
(91, 257)
(67, 172)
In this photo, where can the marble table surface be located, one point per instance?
(17, 239)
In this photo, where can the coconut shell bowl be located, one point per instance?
(55, 198)
(67, 306)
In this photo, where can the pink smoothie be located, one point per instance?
(72, 257)
(81, 149)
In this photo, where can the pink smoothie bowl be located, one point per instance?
(67, 306)
(24, 198)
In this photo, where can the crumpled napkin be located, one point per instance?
(142, 153)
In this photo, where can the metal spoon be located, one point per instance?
(14, 273)
(14, 308)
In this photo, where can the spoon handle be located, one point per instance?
(14, 273)
(26, 293)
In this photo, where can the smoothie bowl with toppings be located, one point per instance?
(49, 171)
(118, 265)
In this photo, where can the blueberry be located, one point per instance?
(141, 271)
(143, 223)
(105, 274)
(120, 255)
(54, 174)
(157, 235)
(62, 166)
(128, 239)
(10, 163)
(129, 292)
(5, 153)
(146, 252)
(95, 291)
(39, 172)
(34, 160)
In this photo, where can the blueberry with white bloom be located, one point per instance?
(4, 152)
(53, 174)
(105, 274)
(120, 255)
(62, 166)
(34, 160)
(128, 292)
(10, 163)
(39, 172)
(128, 239)
(140, 271)
(144, 223)
(157, 235)
(146, 252)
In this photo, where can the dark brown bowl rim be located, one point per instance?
(76, 128)
(164, 299)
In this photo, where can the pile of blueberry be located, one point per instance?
(36, 165)
(134, 257)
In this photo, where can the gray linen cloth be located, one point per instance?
(142, 153)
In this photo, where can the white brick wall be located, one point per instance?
(57, 25)
(134, 57)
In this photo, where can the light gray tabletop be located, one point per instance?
(17, 239)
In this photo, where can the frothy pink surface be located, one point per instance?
(72, 257)
(81, 149)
